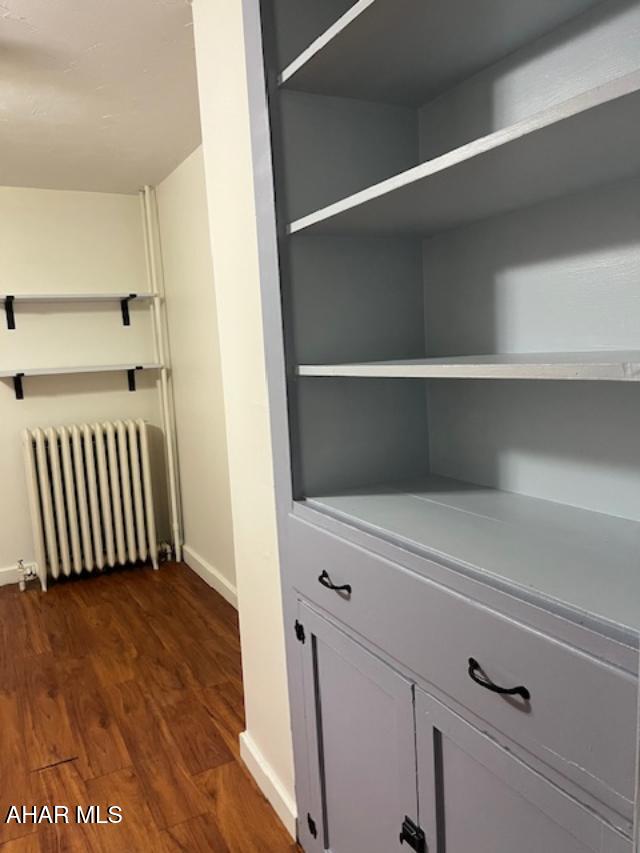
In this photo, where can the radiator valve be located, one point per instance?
(165, 552)
(27, 573)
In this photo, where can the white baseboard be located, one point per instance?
(9, 575)
(210, 575)
(268, 782)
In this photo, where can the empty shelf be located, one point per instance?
(600, 366)
(11, 299)
(66, 371)
(130, 369)
(75, 297)
(588, 140)
(406, 51)
(587, 561)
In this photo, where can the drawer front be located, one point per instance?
(581, 716)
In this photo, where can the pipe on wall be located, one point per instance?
(163, 356)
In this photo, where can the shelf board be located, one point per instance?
(599, 366)
(588, 140)
(585, 560)
(76, 297)
(9, 300)
(67, 371)
(406, 51)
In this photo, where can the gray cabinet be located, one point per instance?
(360, 735)
(477, 796)
(385, 756)
(447, 199)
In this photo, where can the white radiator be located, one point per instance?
(90, 496)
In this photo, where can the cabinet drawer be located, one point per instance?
(581, 716)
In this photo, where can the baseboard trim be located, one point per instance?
(9, 575)
(210, 575)
(268, 782)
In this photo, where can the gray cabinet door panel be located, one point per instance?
(361, 736)
(475, 795)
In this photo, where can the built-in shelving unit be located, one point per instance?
(400, 51)
(11, 300)
(600, 366)
(545, 548)
(456, 189)
(585, 141)
(459, 178)
(130, 369)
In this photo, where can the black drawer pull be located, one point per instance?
(325, 580)
(474, 668)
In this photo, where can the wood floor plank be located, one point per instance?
(114, 656)
(102, 748)
(15, 778)
(47, 728)
(137, 831)
(205, 666)
(198, 835)
(198, 739)
(144, 731)
(247, 822)
(16, 788)
(63, 786)
(34, 639)
(171, 793)
(36, 842)
(66, 626)
(226, 712)
(205, 599)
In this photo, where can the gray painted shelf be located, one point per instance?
(601, 366)
(588, 140)
(586, 560)
(405, 51)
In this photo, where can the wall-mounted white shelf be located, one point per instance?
(9, 300)
(130, 369)
(405, 52)
(599, 366)
(588, 140)
(546, 548)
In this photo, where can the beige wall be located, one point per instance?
(227, 155)
(67, 242)
(197, 379)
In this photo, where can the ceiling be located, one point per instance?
(95, 94)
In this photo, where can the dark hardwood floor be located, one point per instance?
(126, 689)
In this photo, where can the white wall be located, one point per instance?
(266, 745)
(197, 377)
(56, 241)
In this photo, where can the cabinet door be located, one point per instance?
(475, 795)
(361, 740)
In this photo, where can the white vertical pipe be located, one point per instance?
(156, 285)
